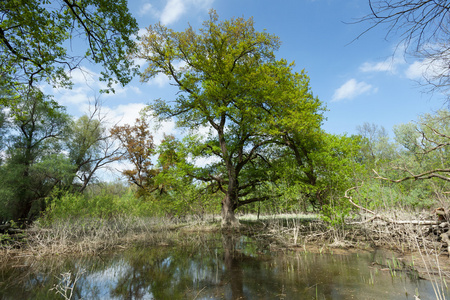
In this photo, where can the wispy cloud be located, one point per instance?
(160, 80)
(352, 89)
(427, 69)
(147, 8)
(173, 10)
(390, 64)
(383, 66)
(416, 70)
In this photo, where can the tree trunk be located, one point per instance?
(228, 218)
(229, 202)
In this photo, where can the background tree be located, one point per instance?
(34, 137)
(44, 149)
(34, 35)
(171, 162)
(427, 143)
(91, 147)
(230, 83)
(139, 148)
(411, 172)
(314, 173)
(376, 149)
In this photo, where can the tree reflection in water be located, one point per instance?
(211, 266)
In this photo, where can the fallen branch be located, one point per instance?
(425, 175)
(384, 218)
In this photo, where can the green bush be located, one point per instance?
(66, 205)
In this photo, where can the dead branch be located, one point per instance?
(425, 175)
(383, 218)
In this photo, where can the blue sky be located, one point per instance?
(359, 80)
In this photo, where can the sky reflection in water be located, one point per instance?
(212, 266)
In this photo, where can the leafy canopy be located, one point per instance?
(35, 36)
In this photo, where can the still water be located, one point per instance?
(212, 266)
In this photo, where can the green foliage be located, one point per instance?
(34, 35)
(32, 164)
(379, 195)
(190, 200)
(322, 171)
(335, 215)
(420, 168)
(377, 151)
(45, 149)
(105, 204)
(63, 205)
(90, 147)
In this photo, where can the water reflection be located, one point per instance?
(212, 266)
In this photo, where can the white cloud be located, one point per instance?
(83, 75)
(172, 11)
(75, 98)
(147, 8)
(135, 89)
(122, 114)
(85, 84)
(377, 67)
(427, 69)
(351, 89)
(416, 70)
(390, 64)
(159, 80)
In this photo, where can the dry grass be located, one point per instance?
(91, 235)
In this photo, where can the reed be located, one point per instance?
(92, 235)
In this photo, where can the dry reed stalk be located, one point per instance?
(83, 236)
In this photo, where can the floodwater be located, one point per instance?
(213, 266)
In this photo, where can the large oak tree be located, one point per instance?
(231, 83)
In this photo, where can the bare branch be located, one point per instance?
(425, 175)
(377, 216)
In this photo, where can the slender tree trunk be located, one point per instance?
(24, 199)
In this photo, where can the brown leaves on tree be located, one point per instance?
(137, 142)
